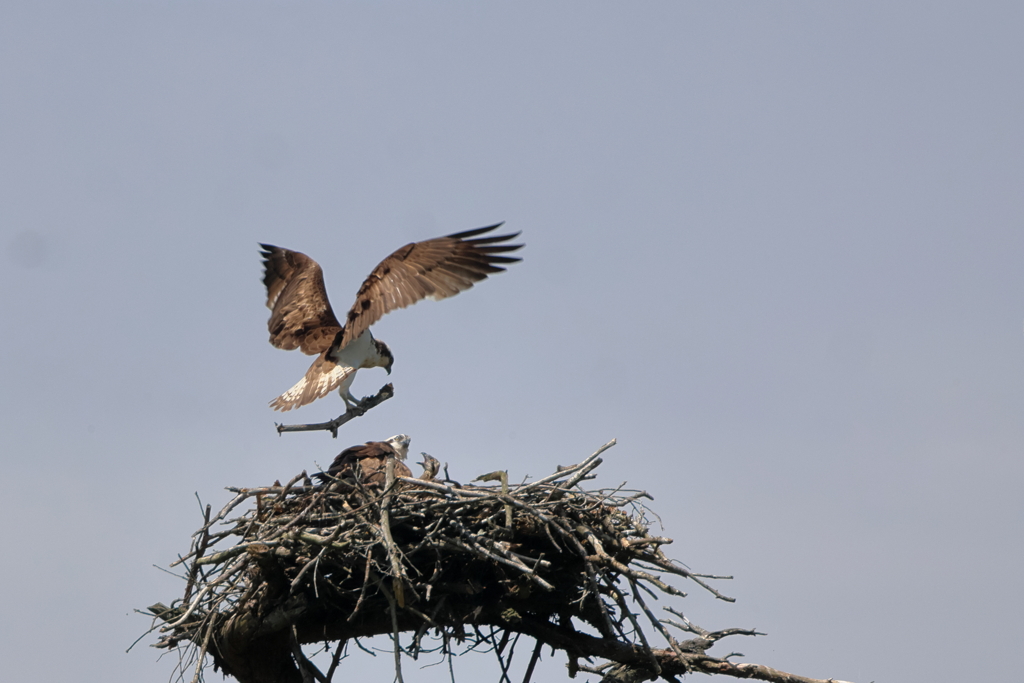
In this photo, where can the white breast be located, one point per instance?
(357, 352)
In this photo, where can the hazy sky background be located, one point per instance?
(774, 248)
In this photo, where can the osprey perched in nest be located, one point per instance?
(302, 318)
(367, 463)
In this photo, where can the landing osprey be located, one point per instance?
(302, 318)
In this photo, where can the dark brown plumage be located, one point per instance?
(367, 463)
(301, 315)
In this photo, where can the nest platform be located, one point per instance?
(440, 567)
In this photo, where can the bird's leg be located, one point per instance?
(351, 402)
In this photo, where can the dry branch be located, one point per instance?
(386, 392)
(477, 566)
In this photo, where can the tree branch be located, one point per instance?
(386, 392)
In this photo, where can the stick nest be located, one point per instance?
(466, 564)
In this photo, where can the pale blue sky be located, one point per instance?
(774, 248)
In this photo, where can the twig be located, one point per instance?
(395, 632)
(204, 540)
(639, 600)
(306, 668)
(568, 470)
(533, 662)
(386, 392)
(389, 542)
(336, 659)
(503, 662)
(592, 463)
(202, 651)
(474, 548)
(628, 613)
(362, 592)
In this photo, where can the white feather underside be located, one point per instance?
(314, 385)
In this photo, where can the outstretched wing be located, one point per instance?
(301, 315)
(435, 269)
(323, 377)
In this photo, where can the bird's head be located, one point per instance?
(400, 442)
(431, 466)
(385, 359)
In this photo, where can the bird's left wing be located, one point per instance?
(435, 269)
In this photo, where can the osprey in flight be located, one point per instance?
(302, 318)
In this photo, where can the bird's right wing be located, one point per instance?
(301, 316)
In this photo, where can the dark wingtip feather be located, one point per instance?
(268, 250)
(499, 248)
(495, 239)
(477, 231)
